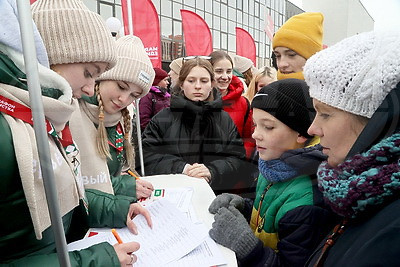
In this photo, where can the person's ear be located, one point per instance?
(301, 139)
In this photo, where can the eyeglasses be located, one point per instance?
(194, 57)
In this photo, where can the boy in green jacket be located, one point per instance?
(288, 218)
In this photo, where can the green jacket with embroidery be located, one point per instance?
(18, 244)
(122, 184)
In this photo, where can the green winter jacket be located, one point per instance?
(18, 244)
(122, 184)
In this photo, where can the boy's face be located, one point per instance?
(272, 136)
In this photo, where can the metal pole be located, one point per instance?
(139, 136)
(31, 65)
(130, 22)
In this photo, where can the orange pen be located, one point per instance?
(116, 235)
(134, 175)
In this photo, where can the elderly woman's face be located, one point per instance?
(338, 130)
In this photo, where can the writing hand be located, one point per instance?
(143, 189)
(125, 252)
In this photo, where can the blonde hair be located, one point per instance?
(102, 138)
(265, 71)
(248, 76)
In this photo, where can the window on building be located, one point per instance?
(216, 39)
(257, 10)
(216, 8)
(246, 6)
(208, 6)
(232, 43)
(224, 11)
(191, 3)
(239, 4)
(224, 41)
(216, 23)
(166, 8)
(208, 18)
(200, 4)
(176, 9)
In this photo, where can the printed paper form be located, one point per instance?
(172, 236)
(205, 255)
(179, 197)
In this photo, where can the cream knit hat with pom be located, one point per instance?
(72, 33)
(133, 64)
(356, 74)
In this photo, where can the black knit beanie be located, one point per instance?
(289, 101)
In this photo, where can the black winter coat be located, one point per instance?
(194, 132)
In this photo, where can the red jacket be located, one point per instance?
(239, 109)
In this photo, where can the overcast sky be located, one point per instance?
(386, 13)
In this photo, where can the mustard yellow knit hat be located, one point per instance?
(72, 33)
(301, 33)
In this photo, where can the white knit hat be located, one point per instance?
(241, 64)
(133, 64)
(72, 33)
(356, 74)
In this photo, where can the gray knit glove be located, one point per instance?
(231, 230)
(226, 200)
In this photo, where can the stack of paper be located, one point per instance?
(174, 239)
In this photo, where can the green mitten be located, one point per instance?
(231, 230)
(226, 200)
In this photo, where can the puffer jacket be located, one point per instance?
(18, 243)
(239, 109)
(156, 100)
(290, 217)
(194, 132)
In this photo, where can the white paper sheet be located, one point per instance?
(172, 236)
(179, 197)
(205, 255)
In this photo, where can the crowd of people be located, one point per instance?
(303, 158)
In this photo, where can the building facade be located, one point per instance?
(343, 18)
(222, 16)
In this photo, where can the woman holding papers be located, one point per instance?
(195, 136)
(27, 236)
(105, 143)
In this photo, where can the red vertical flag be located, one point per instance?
(146, 26)
(269, 27)
(197, 34)
(245, 45)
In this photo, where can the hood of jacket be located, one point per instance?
(13, 72)
(304, 160)
(182, 103)
(235, 89)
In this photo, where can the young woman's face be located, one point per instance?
(223, 75)
(288, 61)
(263, 81)
(198, 85)
(117, 95)
(164, 83)
(174, 78)
(272, 136)
(81, 76)
(338, 130)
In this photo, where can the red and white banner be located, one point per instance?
(197, 34)
(269, 27)
(245, 45)
(146, 26)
